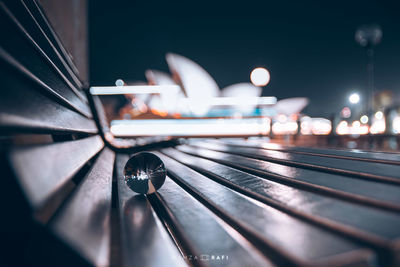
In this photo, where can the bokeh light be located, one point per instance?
(364, 119)
(379, 115)
(354, 98)
(260, 77)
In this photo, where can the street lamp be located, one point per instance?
(354, 98)
(260, 77)
(368, 36)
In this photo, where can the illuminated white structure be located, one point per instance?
(133, 89)
(241, 90)
(291, 106)
(287, 127)
(155, 77)
(193, 92)
(171, 100)
(191, 127)
(238, 102)
(196, 82)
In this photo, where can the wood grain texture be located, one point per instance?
(368, 192)
(23, 48)
(84, 221)
(207, 234)
(26, 105)
(385, 173)
(351, 154)
(31, 25)
(144, 240)
(41, 170)
(365, 224)
(284, 238)
(37, 11)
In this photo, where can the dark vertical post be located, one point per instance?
(370, 74)
(368, 37)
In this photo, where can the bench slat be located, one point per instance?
(84, 221)
(20, 45)
(144, 241)
(206, 234)
(37, 11)
(36, 110)
(366, 191)
(367, 170)
(42, 169)
(370, 156)
(294, 240)
(310, 205)
(24, 16)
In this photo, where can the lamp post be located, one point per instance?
(368, 36)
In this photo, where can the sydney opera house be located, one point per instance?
(163, 133)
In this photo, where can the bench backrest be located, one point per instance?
(57, 172)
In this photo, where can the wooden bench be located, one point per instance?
(225, 202)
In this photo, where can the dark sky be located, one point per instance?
(308, 46)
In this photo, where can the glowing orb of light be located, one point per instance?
(354, 98)
(346, 112)
(119, 82)
(379, 115)
(260, 77)
(364, 119)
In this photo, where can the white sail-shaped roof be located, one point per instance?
(156, 77)
(242, 90)
(196, 82)
(170, 100)
(291, 106)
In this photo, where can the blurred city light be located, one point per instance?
(396, 124)
(378, 125)
(354, 98)
(282, 118)
(306, 125)
(356, 128)
(236, 101)
(260, 77)
(356, 124)
(364, 119)
(342, 128)
(321, 126)
(191, 127)
(346, 112)
(379, 115)
(133, 89)
(315, 126)
(288, 127)
(119, 82)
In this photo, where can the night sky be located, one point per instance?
(308, 46)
